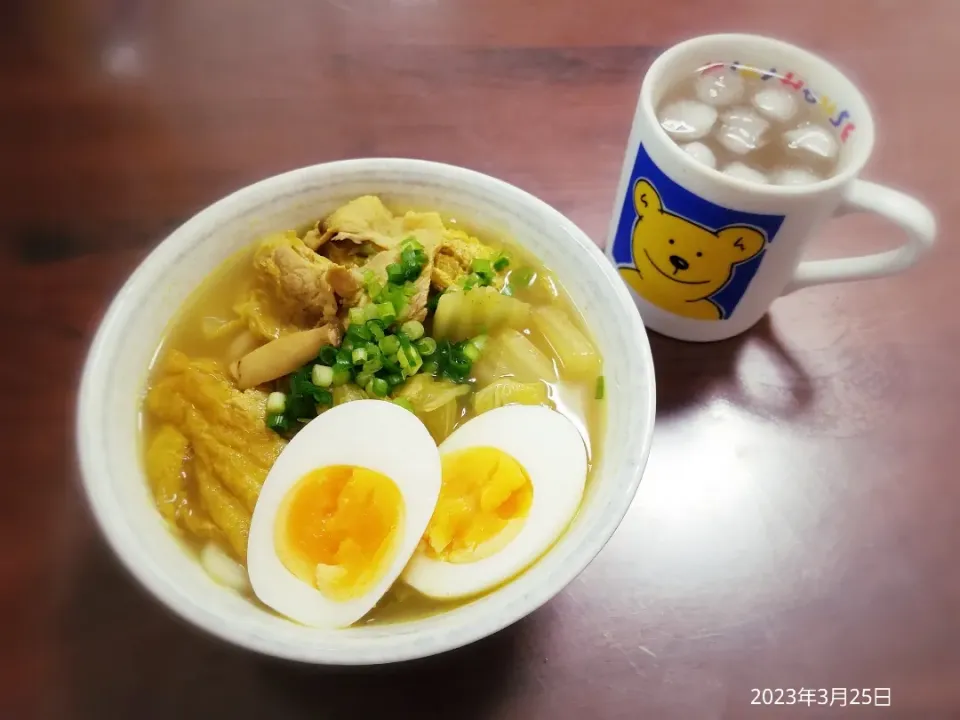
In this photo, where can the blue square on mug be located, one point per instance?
(685, 254)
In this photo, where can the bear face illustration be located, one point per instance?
(680, 264)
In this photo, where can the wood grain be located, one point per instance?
(800, 516)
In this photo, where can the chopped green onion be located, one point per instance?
(356, 316)
(359, 356)
(368, 277)
(328, 355)
(395, 273)
(374, 289)
(370, 312)
(276, 403)
(358, 331)
(480, 341)
(413, 329)
(599, 393)
(341, 376)
(389, 345)
(322, 376)
(393, 379)
(387, 312)
(471, 352)
(372, 366)
(375, 327)
(324, 399)
(378, 386)
(279, 423)
(426, 346)
(346, 347)
(409, 289)
(404, 403)
(408, 257)
(470, 281)
(431, 367)
(372, 351)
(501, 263)
(482, 267)
(363, 378)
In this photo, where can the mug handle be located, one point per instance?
(905, 211)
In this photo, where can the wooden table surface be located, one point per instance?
(798, 525)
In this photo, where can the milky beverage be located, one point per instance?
(752, 124)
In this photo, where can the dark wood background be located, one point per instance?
(799, 522)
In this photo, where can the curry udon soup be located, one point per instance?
(366, 305)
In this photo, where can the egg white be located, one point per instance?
(552, 452)
(372, 434)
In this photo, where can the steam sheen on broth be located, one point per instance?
(195, 415)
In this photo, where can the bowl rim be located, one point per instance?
(100, 500)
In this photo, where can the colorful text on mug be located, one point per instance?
(757, 125)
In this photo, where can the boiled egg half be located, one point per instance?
(513, 479)
(341, 511)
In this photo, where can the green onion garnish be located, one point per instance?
(389, 345)
(599, 393)
(426, 346)
(359, 356)
(375, 327)
(378, 387)
(393, 379)
(322, 376)
(328, 355)
(278, 422)
(501, 263)
(341, 376)
(413, 329)
(276, 403)
(371, 312)
(363, 379)
(372, 366)
(356, 316)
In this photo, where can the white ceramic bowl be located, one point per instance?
(115, 374)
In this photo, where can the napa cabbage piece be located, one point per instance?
(506, 391)
(481, 310)
(427, 394)
(435, 402)
(511, 354)
(577, 355)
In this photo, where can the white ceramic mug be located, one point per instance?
(751, 237)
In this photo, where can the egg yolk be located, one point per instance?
(484, 498)
(337, 529)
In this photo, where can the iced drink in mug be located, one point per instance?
(740, 147)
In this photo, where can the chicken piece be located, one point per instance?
(365, 226)
(453, 257)
(306, 282)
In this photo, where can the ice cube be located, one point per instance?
(701, 153)
(720, 87)
(812, 140)
(743, 172)
(687, 119)
(776, 103)
(794, 176)
(741, 130)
